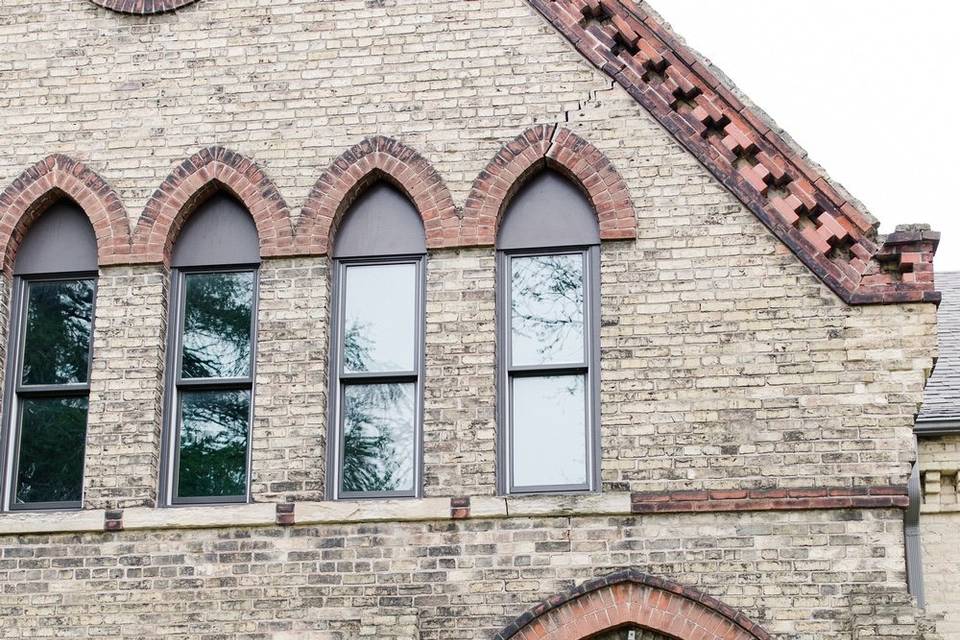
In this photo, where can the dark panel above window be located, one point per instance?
(61, 240)
(220, 232)
(382, 222)
(548, 211)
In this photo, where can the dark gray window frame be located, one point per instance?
(174, 385)
(335, 432)
(589, 368)
(14, 390)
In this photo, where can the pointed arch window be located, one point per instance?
(376, 390)
(48, 368)
(548, 339)
(211, 354)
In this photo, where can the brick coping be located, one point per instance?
(456, 508)
(828, 231)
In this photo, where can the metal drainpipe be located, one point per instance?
(911, 532)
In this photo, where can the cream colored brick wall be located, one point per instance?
(940, 530)
(797, 574)
(725, 362)
(290, 401)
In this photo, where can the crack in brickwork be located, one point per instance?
(560, 149)
(785, 192)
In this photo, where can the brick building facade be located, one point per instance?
(762, 350)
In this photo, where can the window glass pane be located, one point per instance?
(213, 443)
(380, 318)
(216, 325)
(378, 439)
(56, 346)
(50, 464)
(547, 309)
(549, 431)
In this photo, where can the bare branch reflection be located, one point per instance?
(547, 309)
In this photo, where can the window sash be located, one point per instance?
(179, 386)
(589, 368)
(508, 311)
(340, 379)
(17, 392)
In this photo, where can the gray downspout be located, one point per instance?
(911, 532)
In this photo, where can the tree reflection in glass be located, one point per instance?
(380, 315)
(216, 325)
(213, 443)
(378, 419)
(52, 434)
(57, 332)
(547, 309)
(378, 434)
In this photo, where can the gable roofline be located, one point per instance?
(828, 230)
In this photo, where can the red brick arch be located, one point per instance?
(55, 177)
(191, 182)
(562, 150)
(377, 158)
(632, 598)
(142, 7)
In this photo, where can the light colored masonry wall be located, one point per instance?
(725, 362)
(799, 574)
(940, 529)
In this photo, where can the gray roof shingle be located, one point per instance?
(941, 398)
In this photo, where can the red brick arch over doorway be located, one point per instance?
(632, 598)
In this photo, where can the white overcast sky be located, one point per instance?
(870, 88)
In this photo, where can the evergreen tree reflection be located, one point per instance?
(216, 325)
(52, 433)
(57, 340)
(213, 443)
(377, 423)
(214, 424)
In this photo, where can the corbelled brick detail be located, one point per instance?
(191, 183)
(562, 150)
(50, 179)
(881, 497)
(377, 158)
(142, 7)
(632, 597)
(788, 194)
(908, 251)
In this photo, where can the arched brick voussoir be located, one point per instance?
(55, 177)
(191, 182)
(377, 158)
(559, 149)
(631, 597)
(142, 7)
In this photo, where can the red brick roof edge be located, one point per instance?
(793, 198)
